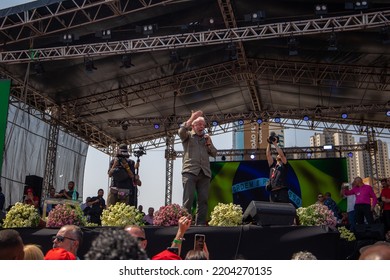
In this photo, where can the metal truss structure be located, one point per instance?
(67, 14)
(199, 39)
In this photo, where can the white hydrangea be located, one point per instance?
(225, 215)
(21, 215)
(121, 215)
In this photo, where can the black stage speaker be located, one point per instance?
(269, 213)
(34, 182)
(372, 231)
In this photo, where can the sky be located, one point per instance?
(10, 3)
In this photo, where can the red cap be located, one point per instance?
(166, 255)
(29, 190)
(59, 254)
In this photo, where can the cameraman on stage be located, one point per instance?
(124, 179)
(277, 184)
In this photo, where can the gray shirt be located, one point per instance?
(196, 153)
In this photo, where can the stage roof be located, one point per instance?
(254, 60)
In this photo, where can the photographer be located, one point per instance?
(278, 172)
(124, 179)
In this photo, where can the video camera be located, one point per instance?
(140, 152)
(272, 138)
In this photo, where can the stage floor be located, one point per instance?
(225, 243)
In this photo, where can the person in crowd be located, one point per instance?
(11, 245)
(303, 255)
(124, 181)
(52, 194)
(377, 251)
(196, 172)
(332, 205)
(33, 252)
(351, 199)
(86, 207)
(385, 196)
(59, 254)
(98, 204)
(138, 233)
(320, 198)
(278, 172)
(68, 237)
(196, 255)
(148, 219)
(31, 199)
(115, 244)
(2, 199)
(141, 209)
(365, 200)
(68, 194)
(184, 224)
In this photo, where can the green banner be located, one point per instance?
(4, 101)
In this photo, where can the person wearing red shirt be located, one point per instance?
(31, 199)
(385, 195)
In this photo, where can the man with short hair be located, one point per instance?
(196, 172)
(148, 219)
(68, 194)
(11, 245)
(98, 204)
(138, 233)
(69, 237)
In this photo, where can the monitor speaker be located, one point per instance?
(370, 231)
(34, 182)
(265, 213)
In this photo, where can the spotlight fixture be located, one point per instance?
(306, 118)
(104, 34)
(259, 120)
(388, 113)
(332, 42)
(126, 61)
(277, 119)
(309, 155)
(223, 158)
(385, 35)
(255, 17)
(148, 29)
(214, 123)
(350, 154)
(356, 5)
(38, 68)
(125, 126)
(321, 9)
(292, 44)
(240, 122)
(328, 147)
(231, 51)
(252, 156)
(156, 126)
(344, 116)
(67, 38)
(361, 5)
(89, 65)
(174, 57)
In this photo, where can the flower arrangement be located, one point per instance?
(66, 214)
(169, 215)
(316, 215)
(21, 215)
(225, 215)
(346, 234)
(121, 215)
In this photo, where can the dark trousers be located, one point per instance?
(386, 219)
(363, 211)
(280, 195)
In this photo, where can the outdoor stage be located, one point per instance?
(225, 243)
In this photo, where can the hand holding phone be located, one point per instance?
(199, 242)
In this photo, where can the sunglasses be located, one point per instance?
(62, 238)
(141, 239)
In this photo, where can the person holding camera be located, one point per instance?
(124, 179)
(196, 172)
(277, 184)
